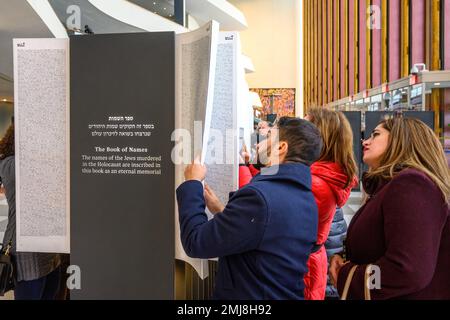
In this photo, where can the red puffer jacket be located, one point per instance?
(246, 174)
(328, 187)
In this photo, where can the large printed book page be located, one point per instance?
(195, 65)
(222, 156)
(41, 92)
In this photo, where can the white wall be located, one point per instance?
(245, 110)
(271, 41)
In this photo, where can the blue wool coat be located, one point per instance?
(263, 238)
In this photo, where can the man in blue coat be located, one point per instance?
(266, 232)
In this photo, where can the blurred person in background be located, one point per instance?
(37, 275)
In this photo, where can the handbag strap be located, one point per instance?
(367, 273)
(349, 279)
(7, 250)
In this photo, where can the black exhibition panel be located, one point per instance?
(354, 117)
(122, 176)
(373, 118)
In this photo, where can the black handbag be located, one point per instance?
(6, 271)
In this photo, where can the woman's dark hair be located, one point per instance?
(7, 143)
(303, 138)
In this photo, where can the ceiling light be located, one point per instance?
(4, 100)
(437, 84)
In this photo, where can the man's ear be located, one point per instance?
(283, 148)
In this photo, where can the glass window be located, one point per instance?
(359, 105)
(416, 97)
(375, 103)
(399, 99)
(439, 100)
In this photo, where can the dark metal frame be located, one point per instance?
(180, 12)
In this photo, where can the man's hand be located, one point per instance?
(336, 263)
(212, 201)
(244, 156)
(195, 171)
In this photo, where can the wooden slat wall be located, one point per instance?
(343, 56)
(417, 48)
(316, 51)
(352, 40)
(330, 36)
(310, 63)
(446, 37)
(336, 50)
(435, 58)
(404, 38)
(324, 52)
(394, 40)
(368, 65)
(357, 45)
(362, 52)
(376, 54)
(319, 53)
(305, 55)
(384, 41)
(345, 49)
(189, 286)
(315, 46)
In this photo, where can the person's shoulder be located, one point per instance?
(260, 187)
(6, 163)
(318, 183)
(327, 166)
(412, 192)
(320, 188)
(415, 184)
(252, 197)
(256, 189)
(412, 175)
(7, 159)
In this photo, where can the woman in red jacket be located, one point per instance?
(333, 177)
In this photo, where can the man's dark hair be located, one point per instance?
(304, 140)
